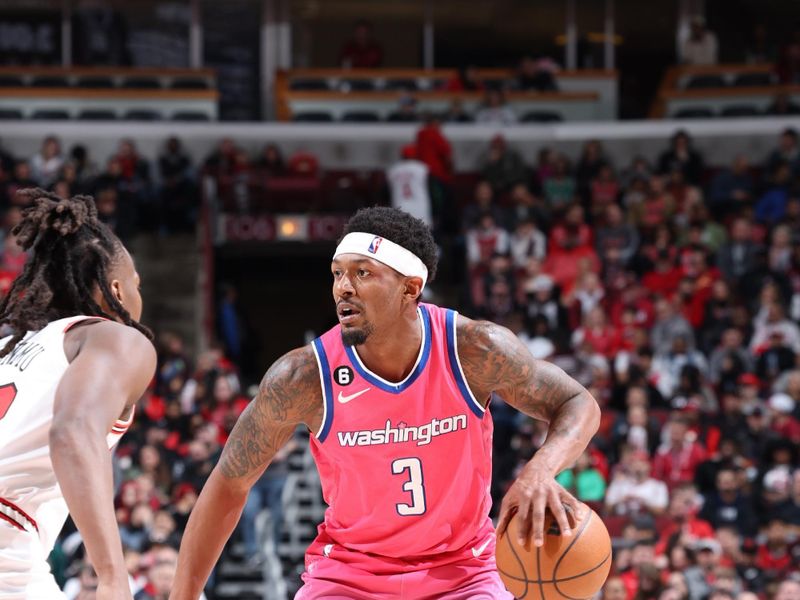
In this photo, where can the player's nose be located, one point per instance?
(344, 287)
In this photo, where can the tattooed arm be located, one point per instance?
(495, 360)
(289, 395)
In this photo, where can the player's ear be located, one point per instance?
(413, 288)
(116, 290)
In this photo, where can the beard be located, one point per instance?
(356, 337)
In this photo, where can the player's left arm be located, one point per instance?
(496, 361)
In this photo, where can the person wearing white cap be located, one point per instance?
(395, 397)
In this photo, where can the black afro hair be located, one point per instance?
(399, 227)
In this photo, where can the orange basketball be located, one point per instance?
(564, 568)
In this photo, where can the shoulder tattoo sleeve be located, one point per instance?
(495, 360)
(289, 395)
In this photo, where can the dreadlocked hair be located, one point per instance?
(71, 252)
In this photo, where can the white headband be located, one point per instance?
(386, 251)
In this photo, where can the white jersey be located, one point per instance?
(408, 180)
(32, 508)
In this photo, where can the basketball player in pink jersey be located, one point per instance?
(396, 398)
(74, 364)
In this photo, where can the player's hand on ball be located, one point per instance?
(535, 491)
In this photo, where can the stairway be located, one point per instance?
(170, 271)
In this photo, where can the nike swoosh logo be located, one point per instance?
(345, 399)
(476, 552)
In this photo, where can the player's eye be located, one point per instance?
(363, 272)
(337, 273)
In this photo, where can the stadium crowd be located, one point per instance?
(669, 288)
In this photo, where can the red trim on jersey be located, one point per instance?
(82, 320)
(12, 521)
(17, 509)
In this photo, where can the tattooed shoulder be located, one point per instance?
(495, 360)
(289, 395)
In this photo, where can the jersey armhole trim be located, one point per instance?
(87, 320)
(456, 368)
(326, 388)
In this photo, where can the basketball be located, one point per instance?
(573, 567)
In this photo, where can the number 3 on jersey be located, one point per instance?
(7, 394)
(415, 485)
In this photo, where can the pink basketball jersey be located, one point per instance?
(405, 467)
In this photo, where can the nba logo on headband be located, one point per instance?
(374, 244)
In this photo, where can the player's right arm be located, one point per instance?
(289, 395)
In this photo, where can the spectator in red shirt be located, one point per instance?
(362, 51)
(597, 334)
(774, 556)
(572, 233)
(683, 507)
(434, 150)
(466, 80)
(676, 460)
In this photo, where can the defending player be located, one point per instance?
(70, 373)
(396, 398)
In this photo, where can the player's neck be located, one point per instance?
(393, 353)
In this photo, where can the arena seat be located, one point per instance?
(143, 115)
(397, 117)
(50, 115)
(313, 117)
(189, 84)
(694, 113)
(49, 81)
(10, 114)
(190, 115)
(141, 83)
(357, 85)
(541, 116)
(703, 82)
(401, 84)
(360, 116)
(11, 81)
(753, 80)
(739, 110)
(95, 82)
(309, 85)
(97, 115)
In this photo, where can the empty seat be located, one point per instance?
(10, 114)
(739, 110)
(190, 115)
(141, 83)
(357, 85)
(398, 117)
(402, 84)
(541, 116)
(11, 81)
(95, 82)
(97, 115)
(702, 82)
(495, 84)
(312, 116)
(50, 114)
(50, 81)
(311, 85)
(753, 80)
(360, 116)
(693, 113)
(189, 84)
(142, 115)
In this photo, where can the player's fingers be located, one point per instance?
(577, 509)
(557, 508)
(524, 518)
(506, 514)
(538, 510)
